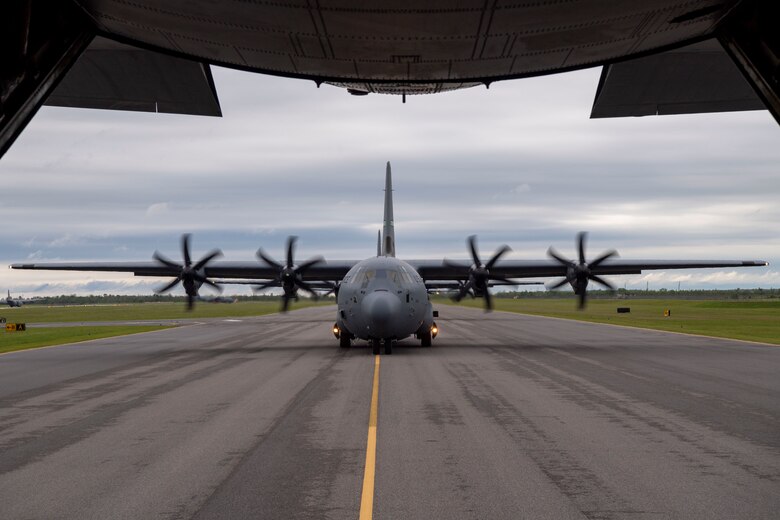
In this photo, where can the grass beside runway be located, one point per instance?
(753, 320)
(45, 337)
(142, 311)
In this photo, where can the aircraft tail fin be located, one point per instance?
(388, 230)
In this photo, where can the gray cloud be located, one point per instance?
(520, 163)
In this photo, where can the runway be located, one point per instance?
(506, 416)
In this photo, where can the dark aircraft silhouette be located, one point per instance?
(11, 302)
(15, 303)
(383, 298)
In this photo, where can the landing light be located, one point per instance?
(336, 331)
(434, 330)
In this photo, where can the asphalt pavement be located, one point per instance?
(505, 416)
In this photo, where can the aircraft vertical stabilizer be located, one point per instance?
(388, 231)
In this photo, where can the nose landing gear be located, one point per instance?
(376, 346)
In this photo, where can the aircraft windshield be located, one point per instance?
(365, 276)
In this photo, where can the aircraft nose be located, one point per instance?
(381, 309)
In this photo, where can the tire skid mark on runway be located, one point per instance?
(636, 417)
(591, 495)
(443, 417)
(67, 413)
(763, 429)
(51, 403)
(102, 381)
(204, 348)
(36, 446)
(288, 468)
(760, 420)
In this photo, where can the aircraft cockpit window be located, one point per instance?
(397, 276)
(404, 275)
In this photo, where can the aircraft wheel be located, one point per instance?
(376, 344)
(344, 341)
(388, 347)
(425, 339)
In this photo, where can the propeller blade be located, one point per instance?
(286, 302)
(581, 298)
(501, 252)
(463, 291)
(190, 302)
(268, 260)
(206, 259)
(308, 263)
(185, 249)
(170, 263)
(602, 282)
(266, 285)
(308, 288)
(552, 286)
(453, 265)
(472, 241)
(169, 286)
(291, 249)
(331, 289)
(604, 256)
(581, 239)
(552, 253)
(203, 279)
(488, 301)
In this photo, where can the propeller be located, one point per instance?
(578, 274)
(478, 275)
(290, 276)
(191, 276)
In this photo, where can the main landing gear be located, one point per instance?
(426, 338)
(376, 346)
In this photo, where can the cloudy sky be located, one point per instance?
(520, 163)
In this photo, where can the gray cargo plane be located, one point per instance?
(11, 302)
(384, 299)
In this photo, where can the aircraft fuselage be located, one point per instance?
(383, 298)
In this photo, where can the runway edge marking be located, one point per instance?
(639, 328)
(367, 498)
(33, 349)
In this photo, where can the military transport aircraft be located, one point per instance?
(384, 299)
(19, 302)
(11, 302)
(659, 56)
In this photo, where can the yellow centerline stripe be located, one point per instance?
(367, 499)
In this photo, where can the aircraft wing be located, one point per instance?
(454, 285)
(432, 270)
(252, 272)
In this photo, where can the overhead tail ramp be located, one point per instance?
(114, 76)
